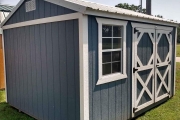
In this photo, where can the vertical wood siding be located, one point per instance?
(42, 64)
(43, 9)
(111, 101)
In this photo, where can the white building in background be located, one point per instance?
(4, 12)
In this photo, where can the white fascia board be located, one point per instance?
(70, 5)
(44, 20)
(13, 11)
(128, 17)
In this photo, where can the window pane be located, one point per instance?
(117, 31)
(106, 43)
(116, 56)
(106, 31)
(106, 69)
(106, 57)
(116, 67)
(116, 43)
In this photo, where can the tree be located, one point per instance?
(131, 7)
(160, 16)
(178, 34)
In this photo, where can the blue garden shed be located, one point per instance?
(78, 60)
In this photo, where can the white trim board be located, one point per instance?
(44, 20)
(175, 62)
(84, 67)
(141, 25)
(4, 65)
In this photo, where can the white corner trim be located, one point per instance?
(4, 64)
(84, 67)
(44, 20)
(175, 62)
(69, 5)
(113, 77)
(12, 12)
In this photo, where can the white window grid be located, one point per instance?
(116, 76)
(114, 50)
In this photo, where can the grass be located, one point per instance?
(167, 111)
(9, 113)
(178, 50)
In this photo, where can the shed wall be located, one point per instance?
(111, 101)
(43, 9)
(42, 70)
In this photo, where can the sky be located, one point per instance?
(167, 8)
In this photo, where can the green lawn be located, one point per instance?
(178, 50)
(167, 111)
(9, 113)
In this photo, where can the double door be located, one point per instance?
(152, 54)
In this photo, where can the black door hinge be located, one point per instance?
(170, 33)
(169, 92)
(170, 62)
(135, 30)
(134, 110)
(134, 70)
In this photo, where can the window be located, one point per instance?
(112, 50)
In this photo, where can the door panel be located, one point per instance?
(163, 64)
(144, 67)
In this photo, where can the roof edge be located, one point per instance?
(11, 13)
(128, 17)
(69, 5)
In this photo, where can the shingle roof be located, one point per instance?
(6, 8)
(111, 9)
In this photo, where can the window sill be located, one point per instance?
(111, 78)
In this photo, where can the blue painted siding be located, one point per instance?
(111, 101)
(43, 70)
(43, 9)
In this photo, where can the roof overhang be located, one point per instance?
(128, 17)
(89, 11)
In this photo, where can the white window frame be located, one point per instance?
(116, 76)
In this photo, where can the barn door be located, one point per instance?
(144, 52)
(163, 64)
(152, 53)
